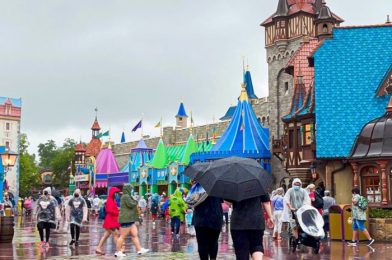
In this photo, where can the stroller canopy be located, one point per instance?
(311, 221)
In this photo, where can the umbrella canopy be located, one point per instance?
(195, 169)
(235, 179)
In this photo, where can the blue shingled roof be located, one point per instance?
(17, 102)
(229, 114)
(348, 70)
(181, 111)
(249, 85)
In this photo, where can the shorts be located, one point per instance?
(359, 224)
(127, 225)
(247, 242)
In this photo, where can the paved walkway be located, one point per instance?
(158, 239)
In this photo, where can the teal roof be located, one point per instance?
(229, 113)
(181, 111)
(349, 69)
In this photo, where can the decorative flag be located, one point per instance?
(158, 125)
(191, 118)
(214, 135)
(137, 126)
(123, 137)
(103, 134)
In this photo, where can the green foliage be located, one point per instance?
(47, 152)
(380, 213)
(29, 178)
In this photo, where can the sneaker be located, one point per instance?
(72, 242)
(371, 241)
(143, 251)
(42, 244)
(76, 243)
(119, 254)
(352, 243)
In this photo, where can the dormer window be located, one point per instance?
(325, 28)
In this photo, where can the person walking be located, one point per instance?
(225, 210)
(247, 226)
(207, 220)
(328, 202)
(96, 202)
(47, 213)
(127, 218)
(177, 210)
(294, 199)
(315, 198)
(358, 218)
(76, 214)
(154, 209)
(110, 223)
(277, 208)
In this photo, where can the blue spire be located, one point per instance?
(244, 133)
(249, 85)
(181, 111)
(123, 137)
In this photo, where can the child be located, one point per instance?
(188, 221)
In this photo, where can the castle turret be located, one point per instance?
(181, 117)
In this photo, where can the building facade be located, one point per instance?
(10, 117)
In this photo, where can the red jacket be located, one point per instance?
(111, 219)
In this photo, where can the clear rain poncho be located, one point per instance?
(297, 198)
(311, 221)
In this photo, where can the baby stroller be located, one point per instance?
(310, 224)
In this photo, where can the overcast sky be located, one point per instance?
(64, 58)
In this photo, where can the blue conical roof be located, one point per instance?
(244, 133)
(249, 85)
(140, 155)
(181, 111)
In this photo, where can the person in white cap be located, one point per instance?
(76, 214)
(294, 199)
(47, 214)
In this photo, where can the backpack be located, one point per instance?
(362, 203)
(154, 208)
(102, 212)
(318, 202)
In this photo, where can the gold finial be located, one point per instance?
(244, 95)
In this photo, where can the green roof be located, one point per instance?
(190, 148)
(160, 159)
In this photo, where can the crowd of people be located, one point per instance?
(123, 208)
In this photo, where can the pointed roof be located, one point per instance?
(106, 163)
(93, 147)
(283, 8)
(325, 13)
(181, 111)
(141, 145)
(244, 133)
(123, 138)
(190, 148)
(160, 159)
(229, 113)
(249, 85)
(140, 155)
(80, 147)
(95, 125)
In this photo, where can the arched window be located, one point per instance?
(325, 28)
(268, 120)
(263, 121)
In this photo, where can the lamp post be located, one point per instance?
(8, 159)
(313, 171)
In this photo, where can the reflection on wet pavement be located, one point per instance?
(159, 240)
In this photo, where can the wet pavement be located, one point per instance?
(159, 240)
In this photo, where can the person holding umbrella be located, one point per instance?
(244, 183)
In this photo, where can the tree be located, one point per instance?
(47, 152)
(61, 162)
(29, 178)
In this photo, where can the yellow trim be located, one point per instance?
(244, 95)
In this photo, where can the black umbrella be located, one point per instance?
(193, 170)
(235, 179)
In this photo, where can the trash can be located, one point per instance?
(340, 225)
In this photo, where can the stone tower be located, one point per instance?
(294, 22)
(181, 117)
